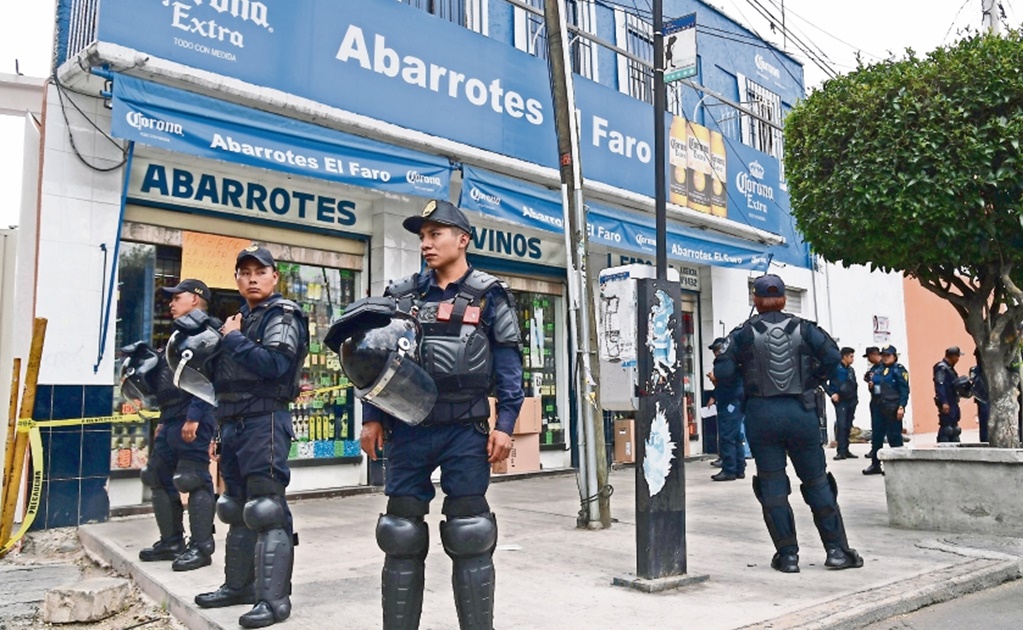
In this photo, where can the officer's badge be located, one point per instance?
(252, 248)
(430, 207)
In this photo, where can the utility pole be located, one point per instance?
(595, 512)
(990, 21)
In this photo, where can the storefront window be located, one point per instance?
(323, 414)
(540, 359)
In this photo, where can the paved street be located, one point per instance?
(994, 609)
(551, 575)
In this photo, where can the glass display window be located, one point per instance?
(540, 352)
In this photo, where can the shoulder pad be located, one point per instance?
(288, 306)
(403, 287)
(479, 282)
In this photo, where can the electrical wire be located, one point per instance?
(800, 44)
(831, 35)
(952, 25)
(66, 98)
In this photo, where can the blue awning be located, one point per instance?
(533, 206)
(198, 125)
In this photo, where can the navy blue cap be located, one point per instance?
(191, 285)
(889, 350)
(717, 343)
(438, 211)
(953, 351)
(870, 350)
(769, 285)
(260, 254)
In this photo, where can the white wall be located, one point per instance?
(79, 212)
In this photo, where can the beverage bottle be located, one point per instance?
(719, 176)
(677, 161)
(698, 146)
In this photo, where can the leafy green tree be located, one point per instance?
(914, 165)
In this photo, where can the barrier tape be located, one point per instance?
(30, 426)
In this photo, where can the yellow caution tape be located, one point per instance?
(30, 426)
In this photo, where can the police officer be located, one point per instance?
(843, 391)
(891, 388)
(256, 377)
(470, 346)
(946, 397)
(783, 360)
(180, 461)
(978, 385)
(728, 399)
(873, 357)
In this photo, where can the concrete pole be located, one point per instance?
(990, 21)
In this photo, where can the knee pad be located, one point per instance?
(469, 536)
(813, 492)
(770, 500)
(465, 506)
(265, 513)
(403, 537)
(150, 477)
(230, 510)
(949, 430)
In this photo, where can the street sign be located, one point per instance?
(680, 48)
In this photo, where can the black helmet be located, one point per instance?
(963, 386)
(138, 373)
(191, 349)
(379, 348)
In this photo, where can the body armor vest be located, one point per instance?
(778, 362)
(889, 391)
(235, 383)
(173, 402)
(455, 348)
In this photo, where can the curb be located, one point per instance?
(869, 606)
(184, 612)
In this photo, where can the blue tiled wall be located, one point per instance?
(76, 459)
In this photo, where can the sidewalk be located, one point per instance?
(552, 575)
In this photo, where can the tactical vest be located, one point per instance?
(455, 347)
(889, 396)
(235, 383)
(172, 401)
(945, 377)
(847, 388)
(777, 363)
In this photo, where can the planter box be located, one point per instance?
(955, 489)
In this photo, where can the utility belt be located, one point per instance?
(458, 413)
(229, 411)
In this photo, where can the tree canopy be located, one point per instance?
(914, 165)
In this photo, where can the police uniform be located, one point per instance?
(876, 423)
(890, 385)
(177, 466)
(470, 347)
(945, 394)
(783, 359)
(843, 384)
(256, 377)
(731, 440)
(978, 385)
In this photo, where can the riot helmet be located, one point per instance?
(192, 347)
(138, 372)
(379, 349)
(963, 386)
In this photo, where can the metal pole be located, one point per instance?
(989, 17)
(593, 461)
(660, 194)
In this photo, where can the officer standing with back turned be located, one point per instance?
(256, 377)
(470, 347)
(783, 359)
(946, 397)
(180, 460)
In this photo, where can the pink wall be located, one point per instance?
(932, 325)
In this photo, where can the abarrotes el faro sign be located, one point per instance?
(184, 122)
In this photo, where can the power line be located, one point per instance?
(773, 20)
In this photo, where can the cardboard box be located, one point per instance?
(625, 441)
(530, 418)
(525, 455)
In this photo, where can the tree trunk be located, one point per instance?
(1003, 429)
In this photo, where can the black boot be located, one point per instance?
(168, 512)
(274, 558)
(405, 541)
(821, 495)
(470, 541)
(200, 520)
(785, 562)
(239, 572)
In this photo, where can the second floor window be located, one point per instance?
(531, 34)
(468, 13)
(758, 132)
(636, 79)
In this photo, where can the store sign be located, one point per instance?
(755, 190)
(267, 197)
(185, 122)
(379, 57)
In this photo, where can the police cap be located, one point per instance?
(889, 349)
(191, 285)
(952, 351)
(717, 343)
(769, 285)
(438, 211)
(871, 350)
(261, 255)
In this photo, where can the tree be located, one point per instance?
(914, 165)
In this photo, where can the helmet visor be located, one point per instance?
(193, 381)
(132, 395)
(402, 390)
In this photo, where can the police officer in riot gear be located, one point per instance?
(843, 391)
(257, 376)
(783, 360)
(728, 399)
(180, 461)
(946, 397)
(891, 388)
(470, 347)
(873, 356)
